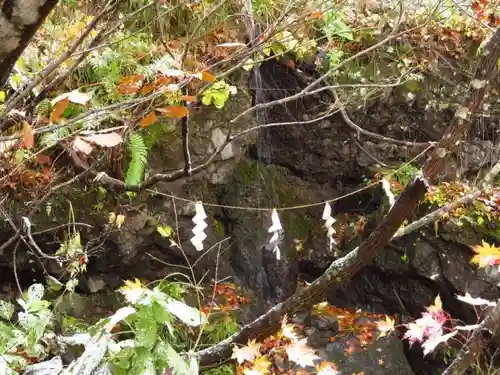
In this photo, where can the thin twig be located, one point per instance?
(55, 64)
(484, 186)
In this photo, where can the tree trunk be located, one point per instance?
(19, 21)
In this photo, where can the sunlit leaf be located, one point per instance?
(188, 98)
(247, 353)
(28, 135)
(467, 298)
(105, 139)
(128, 88)
(486, 255)
(74, 96)
(301, 354)
(149, 119)
(58, 109)
(80, 145)
(385, 326)
(209, 77)
(165, 231)
(133, 291)
(120, 219)
(173, 111)
(230, 45)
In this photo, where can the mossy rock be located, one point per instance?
(254, 186)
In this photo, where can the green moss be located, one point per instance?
(257, 185)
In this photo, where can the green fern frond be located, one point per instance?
(138, 159)
(50, 139)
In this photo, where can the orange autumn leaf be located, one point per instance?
(28, 135)
(149, 119)
(128, 88)
(132, 79)
(316, 14)
(44, 159)
(174, 111)
(209, 77)
(174, 44)
(486, 255)
(188, 98)
(147, 89)
(58, 109)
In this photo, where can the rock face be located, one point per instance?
(295, 165)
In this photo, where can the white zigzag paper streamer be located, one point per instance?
(199, 227)
(386, 185)
(275, 229)
(329, 221)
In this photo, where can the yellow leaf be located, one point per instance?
(133, 290)
(385, 326)
(28, 135)
(437, 303)
(58, 109)
(174, 111)
(120, 219)
(486, 255)
(149, 119)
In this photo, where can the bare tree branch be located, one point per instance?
(12, 102)
(485, 185)
(481, 336)
(486, 70)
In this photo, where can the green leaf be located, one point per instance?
(145, 328)
(160, 314)
(6, 310)
(165, 231)
(2, 96)
(175, 362)
(480, 220)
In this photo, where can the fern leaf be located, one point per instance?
(138, 159)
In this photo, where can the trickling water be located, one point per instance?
(263, 144)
